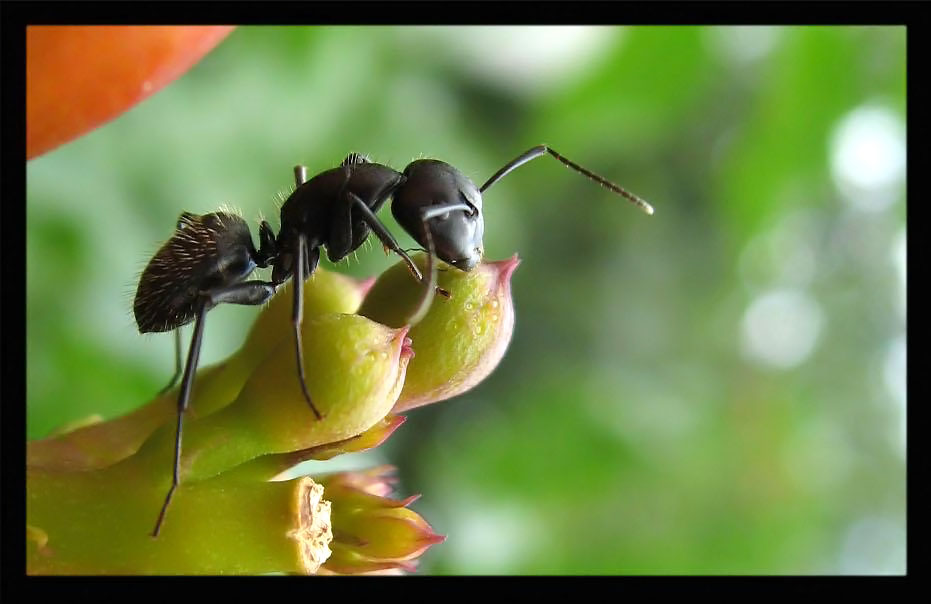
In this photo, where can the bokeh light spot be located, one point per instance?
(491, 539)
(874, 545)
(780, 328)
(868, 157)
(525, 59)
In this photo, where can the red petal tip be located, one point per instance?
(433, 539)
(409, 500)
(506, 268)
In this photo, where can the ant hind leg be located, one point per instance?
(174, 378)
(183, 398)
(248, 292)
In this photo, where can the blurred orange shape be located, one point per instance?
(79, 77)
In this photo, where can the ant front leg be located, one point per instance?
(388, 240)
(426, 298)
(248, 292)
(306, 263)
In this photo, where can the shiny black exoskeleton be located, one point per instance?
(209, 258)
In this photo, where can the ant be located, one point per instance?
(209, 257)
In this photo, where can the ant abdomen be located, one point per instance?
(205, 251)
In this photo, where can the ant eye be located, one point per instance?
(473, 209)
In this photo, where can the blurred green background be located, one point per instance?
(719, 388)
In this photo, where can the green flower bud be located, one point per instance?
(461, 340)
(325, 292)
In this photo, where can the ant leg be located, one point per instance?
(383, 234)
(183, 397)
(248, 292)
(426, 297)
(297, 315)
(539, 150)
(174, 378)
(300, 175)
(389, 241)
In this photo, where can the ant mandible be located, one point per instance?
(209, 257)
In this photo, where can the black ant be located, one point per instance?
(207, 260)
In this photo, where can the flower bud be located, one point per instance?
(461, 339)
(325, 292)
(372, 532)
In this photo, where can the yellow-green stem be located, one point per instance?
(100, 523)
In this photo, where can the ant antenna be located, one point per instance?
(540, 150)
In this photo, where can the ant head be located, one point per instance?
(438, 197)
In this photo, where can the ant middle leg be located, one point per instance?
(306, 263)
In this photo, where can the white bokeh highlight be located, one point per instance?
(780, 328)
(868, 157)
(492, 539)
(523, 59)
